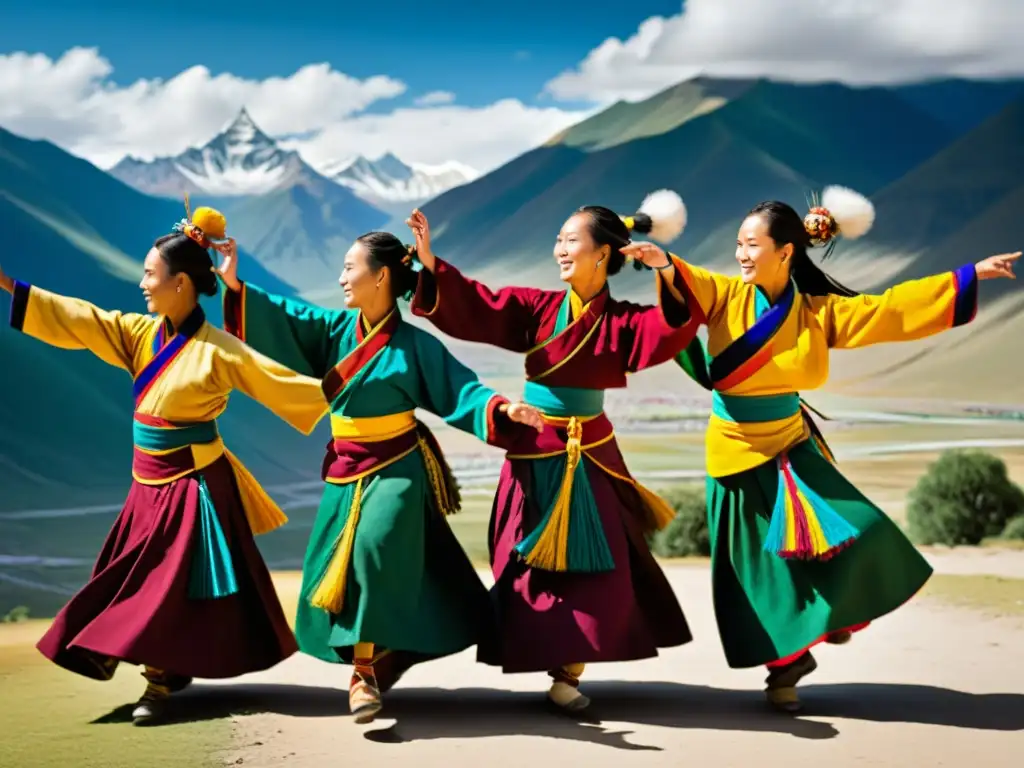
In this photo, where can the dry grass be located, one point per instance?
(990, 595)
(52, 717)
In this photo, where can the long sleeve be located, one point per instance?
(908, 311)
(657, 334)
(69, 323)
(292, 397)
(452, 391)
(466, 309)
(708, 292)
(289, 331)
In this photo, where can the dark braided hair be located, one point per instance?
(606, 227)
(386, 250)
(816, 229)
(182, 254)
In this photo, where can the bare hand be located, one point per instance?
(525, 414)
(420, 227)
(648, 254)
(228, 269)
(997, 266)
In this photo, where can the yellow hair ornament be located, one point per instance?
(629, 221)
(211, 221)
(204, 225)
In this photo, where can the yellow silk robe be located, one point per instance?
(795, 356)
(193, 388)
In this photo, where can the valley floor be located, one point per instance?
(936, 683)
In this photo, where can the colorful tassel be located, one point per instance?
(442, 481)
(659, 513)
(330, 593)
(803, 525)
(571, 535)
(212, 575)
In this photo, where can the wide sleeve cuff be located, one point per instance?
(965, 305)
(234, 311)
(425, 299)
(500, 428)
(674, 298)
(19, 304)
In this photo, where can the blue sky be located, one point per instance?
(479, 50)
(115, 77)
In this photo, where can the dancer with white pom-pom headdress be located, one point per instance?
(575, 581)
(799, 556)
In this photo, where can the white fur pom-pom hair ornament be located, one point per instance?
(839, 212)
(662, 217)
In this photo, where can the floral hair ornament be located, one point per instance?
(206, 226)
(411, 259)
(837, 212)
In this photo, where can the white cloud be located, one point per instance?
(73, 102)
(859, 42)
(483, 137)
(435, 97)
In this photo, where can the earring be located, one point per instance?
(178, 289)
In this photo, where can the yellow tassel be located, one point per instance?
(330, 594)
(551, 551)
(261, 511)
(819, 544)
(790, 524)
(436, 476)
(660, 511)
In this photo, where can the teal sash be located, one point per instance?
(212, 573)
(563, 401)
(152, 439)
(746, 409)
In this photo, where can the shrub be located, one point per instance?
(15, 615)
(687, 534)
(962, 498)
(1015, 529)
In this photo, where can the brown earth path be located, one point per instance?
(930, 685)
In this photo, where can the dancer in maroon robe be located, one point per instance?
(575, 580)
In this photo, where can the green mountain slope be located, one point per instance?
(962, 104)
(301, 234)
(772, 140)
(956, 208)
(625, 121)
(65, 417)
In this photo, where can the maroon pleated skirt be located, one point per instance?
(136, 608)
(548, 619)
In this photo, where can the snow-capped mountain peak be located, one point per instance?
(242, 161)
(389, 180)
(244, 131)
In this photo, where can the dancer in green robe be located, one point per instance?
(385, 583)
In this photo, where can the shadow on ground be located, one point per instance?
(421, 714)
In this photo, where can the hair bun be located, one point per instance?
(211, 222)
(410, 255)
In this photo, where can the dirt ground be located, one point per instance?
(930, 685)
